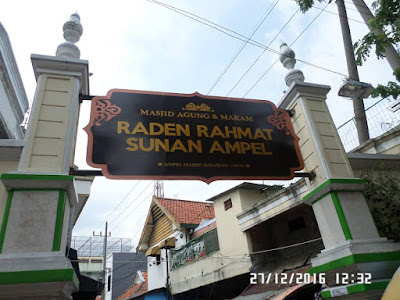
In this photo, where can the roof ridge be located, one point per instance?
(192, 201)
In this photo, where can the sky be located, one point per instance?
(143, 45)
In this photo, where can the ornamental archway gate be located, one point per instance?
(226, 136)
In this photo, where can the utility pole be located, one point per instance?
(166, 260)
(391, 54)
(106, 234)
(358, 103)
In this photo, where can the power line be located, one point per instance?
(118, 281)
(352, 3)
(208, 23)
(133, 210)
(236, 35)
(333, 13)
(308, 26)
(132, 202)
(118, 205)
(137, 232)
(286, 247)
(284, 26)
(269, 10)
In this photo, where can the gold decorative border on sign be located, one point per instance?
(193, 107)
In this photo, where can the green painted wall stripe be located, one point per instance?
(354, 259)
(36, 177)
(331, 181)
(359, 288)
(342, 217)
(326, 294)
(5, 219)
(37, 276)
(59, 221)
(337, 191)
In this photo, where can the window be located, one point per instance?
(228, 204)
(158, 259)
(211, 243)
(109, 283)
(296, 224)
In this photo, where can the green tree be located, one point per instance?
(385, 31)
(383, 198)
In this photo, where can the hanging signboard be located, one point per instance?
(149, 135)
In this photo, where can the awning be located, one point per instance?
(156, 250)
(153, 251)
(169, 243)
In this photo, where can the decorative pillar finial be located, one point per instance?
(287, 58)
(72, 32)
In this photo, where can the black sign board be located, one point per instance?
(149, 135)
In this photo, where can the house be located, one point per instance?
(169, 224)
(13, 100)
(263, 230)
(13, 106)
(192, 243)
(284, 238)
(122, 269)
(138, 287)
(91, 266)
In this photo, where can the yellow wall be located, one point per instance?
(331, 147)
(250, 197)
(232, 240)
(44, 150)
(162, 227)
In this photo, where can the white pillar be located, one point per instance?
(41, 194)
(352, 244)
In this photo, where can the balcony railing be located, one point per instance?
(197, 248)
(382, 116)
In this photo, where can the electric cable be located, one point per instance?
(237, 35)
(261, 54)
(130, 203)
(144, 199)
(269, 10)
(308, 26)
(118, 205)
(118, 281)
(336, 14)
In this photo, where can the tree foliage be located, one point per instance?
(385, 32)
(383, 197)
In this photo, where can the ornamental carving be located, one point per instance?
(193, 107)
(105, 111)
(279, 120)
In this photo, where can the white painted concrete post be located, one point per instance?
(352, 243)
(33, 234)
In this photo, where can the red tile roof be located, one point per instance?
(136, 289)
(187, 212)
